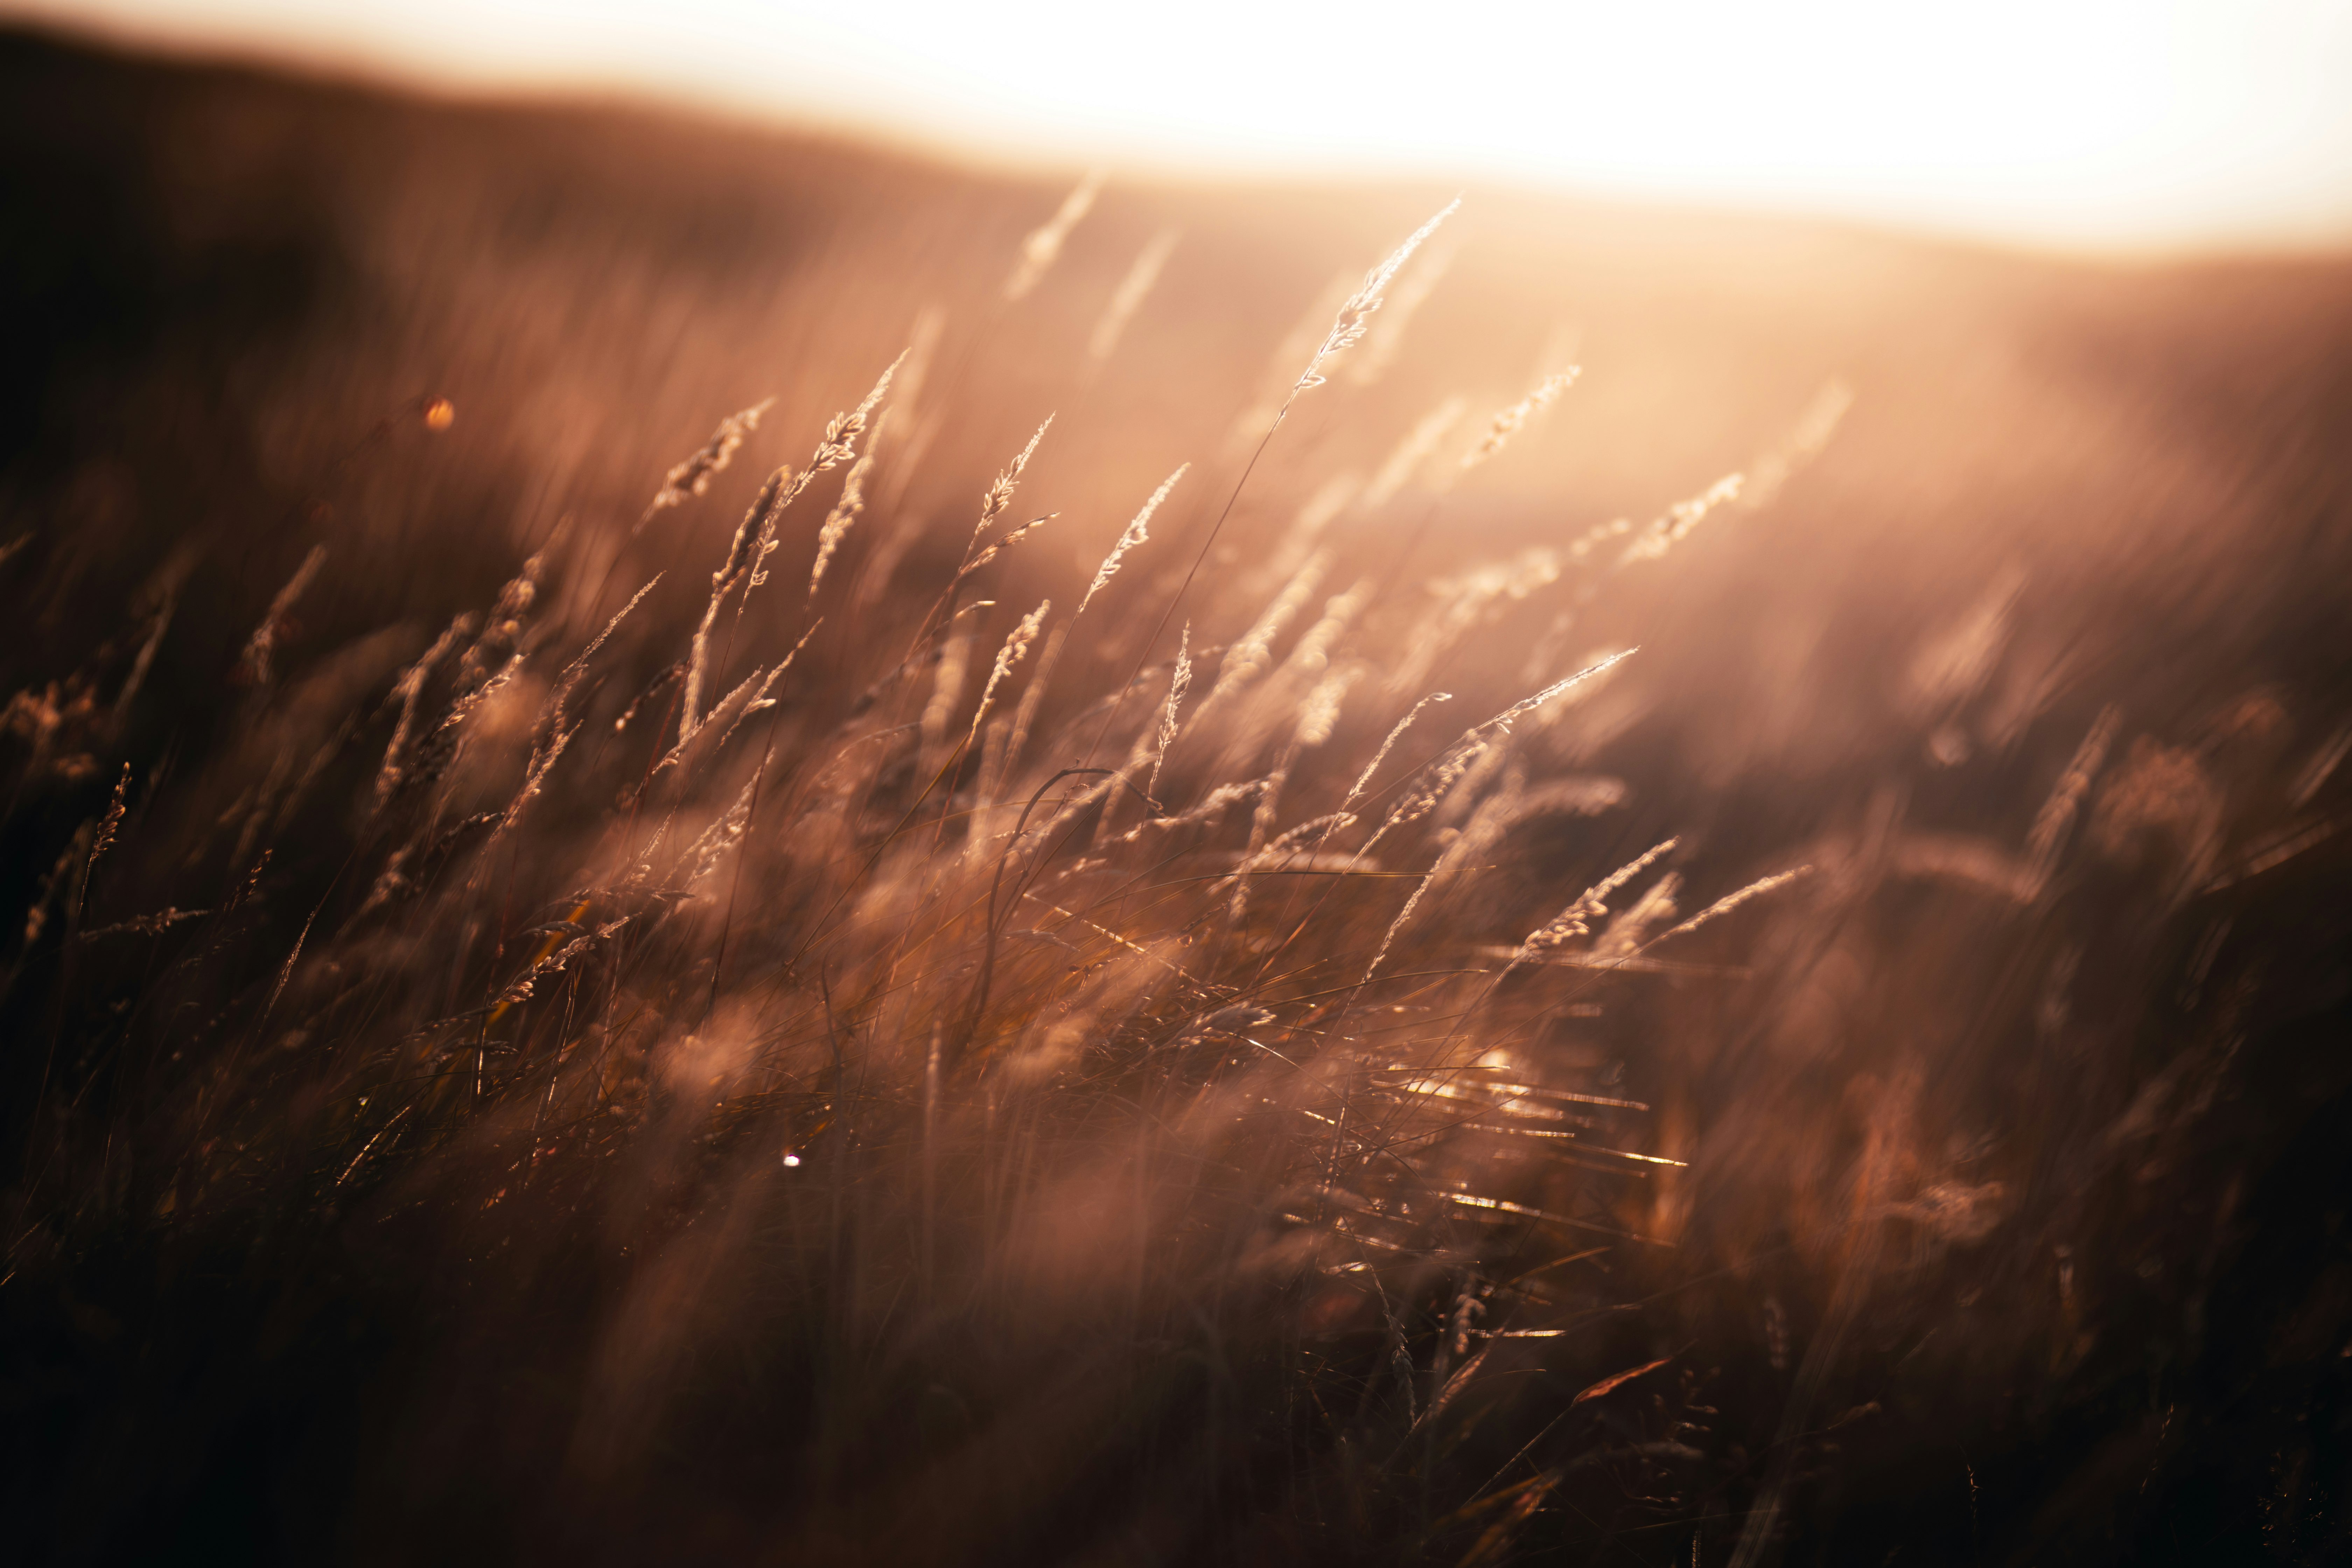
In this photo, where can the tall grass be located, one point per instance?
(1077, 1112)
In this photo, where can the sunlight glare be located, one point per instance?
(2105, 121)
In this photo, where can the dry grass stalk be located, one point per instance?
(1132, 290)
(1526, 705)
(1510, 421)
(1178, 682)
(733, 569)
(1404, 916)
(838, 444)
(1364, 780)
(552, 713)
(1412, 290)
(52, 886)
(692, 477)
(1730, 902)
(1319, 713)
(2322, 767)
(1043, 246)
(1007, 541)
(999, 494)
(1161, 1105)
(755, 537)
(1437, 780)
(162, 920)
(1016, 646)
(1628, 931)
(255, 665)
(1576, 920)
(1675, 526)
(844, 514)
(103, 839)
(144, 661)
(1355, 311)
(1279, 380)
(1025, 716)
(1136, 533)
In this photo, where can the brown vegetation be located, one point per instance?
(1679, 902)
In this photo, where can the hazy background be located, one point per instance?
(2119, 124)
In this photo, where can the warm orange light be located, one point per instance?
(2111, 121)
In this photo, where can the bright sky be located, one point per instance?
(2112, 123)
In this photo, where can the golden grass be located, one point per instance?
(1056, 1080)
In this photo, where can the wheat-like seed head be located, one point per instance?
(1510, 421)
(1005, 543)
(1629, 928)
(838, 444)
(1730, 902)
(755, 537)
(1465, 754)
(1403, 917)
(408, 689)
(838, 521)
(1279, 384)
(1016, 645)
(1577, 920)
(1356, 312)
(466, 705)
(1043, 246)
(1364, 779)
(1137, 533)
(1442, 777)
(999, 494)
(743, 553)
(1526, 705)
(115, 809)
(1680, 518)
(1413, 286)
(556, 962)
(1178, 682)
(692, 478)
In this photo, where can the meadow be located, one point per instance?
(735, 848)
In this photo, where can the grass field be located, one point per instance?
(1681, 902)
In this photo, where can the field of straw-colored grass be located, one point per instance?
(729, 856)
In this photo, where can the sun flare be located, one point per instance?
(2112, 123)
